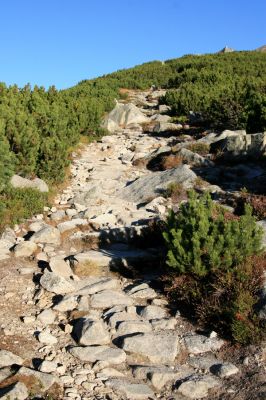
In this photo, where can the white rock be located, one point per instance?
(46, 380)
(153, 312)
(225, 369)
(7, 358)
(25, 249)
(91, 332)
(29, 319)
(110, 298)
(99, 353)
(46, 317)
(60, 267)
(56, 284)
(69, 225)
(47, 338)
(16, 391)
(47, 234)
(197, 387)
(197, 344)
(68, 303)
(48, 366)
(129, 327)
(133, 391)
(157, 347)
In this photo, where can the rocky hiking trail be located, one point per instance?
(82, 314)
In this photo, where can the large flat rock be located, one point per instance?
(153, 185)
(47, 235)
(113, 256)
(110, 298)
(132, 391)
(157, 347)
(98, 353)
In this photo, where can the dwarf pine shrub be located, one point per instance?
(216, 267)
(201, 240)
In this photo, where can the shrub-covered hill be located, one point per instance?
(39, 127)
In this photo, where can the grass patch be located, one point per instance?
(171, 161)
(88, 268)
(200, 148)
(176, 192)
(18, 204)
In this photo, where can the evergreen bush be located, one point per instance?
(207, 259)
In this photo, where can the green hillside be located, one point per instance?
(39, 128)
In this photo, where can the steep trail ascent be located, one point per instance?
(82, 315)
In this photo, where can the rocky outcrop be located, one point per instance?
(240, 144)
(124, 115)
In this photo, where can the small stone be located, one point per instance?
(110, 373)
(66, 379)
(129, 327)
(29, 319)
(197, 344)
(68, 303)
(42, 257)
(89, 386)
(46, 380)
(159, 302)
(60, 267)
(134, 391)
(7, 359)
(48, 366)
(91, 332)
(26, 271)
(246, 361)
(98, 286)
(224, 370)
(203, 362)
(80, 380)
(118, 317)
(47, 234)
(47, 338)
(197, 387)
(25, 249)
(56, 284)
(163, 324)
(46, 317)
(153, 312)
(61, 369)
(148, 293)
(68, 328)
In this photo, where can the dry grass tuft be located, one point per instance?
(88, 268)
(171, 161)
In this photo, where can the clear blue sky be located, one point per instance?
(61, 42)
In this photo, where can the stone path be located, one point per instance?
(86, 332)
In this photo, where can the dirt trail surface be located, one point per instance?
(82, 314)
